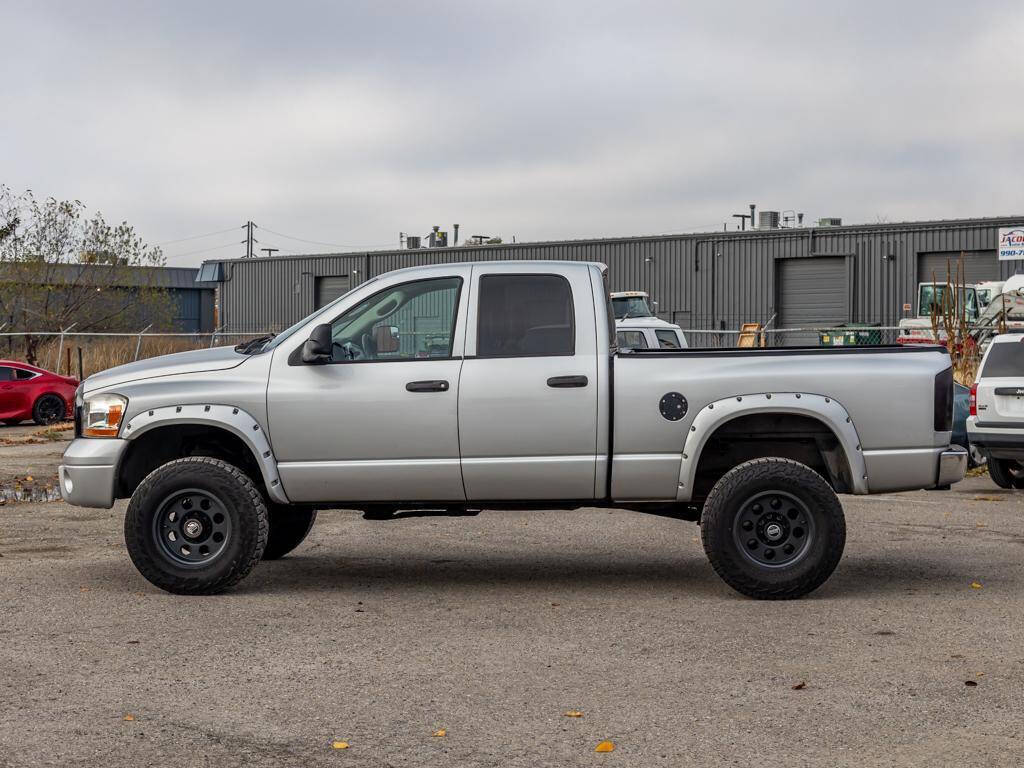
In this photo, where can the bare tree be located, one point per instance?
(951, 315)
(59, 266)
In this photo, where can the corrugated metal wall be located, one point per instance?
(713, 281)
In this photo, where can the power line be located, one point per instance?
(202, 250)
(320, 242)
(197, 237)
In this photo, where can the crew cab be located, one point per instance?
(495, 385)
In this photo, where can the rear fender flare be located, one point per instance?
(226, 417)
(827, 410)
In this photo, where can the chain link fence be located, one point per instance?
(835, 336)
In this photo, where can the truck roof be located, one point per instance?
(561, 264)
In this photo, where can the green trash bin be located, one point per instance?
(851, 335)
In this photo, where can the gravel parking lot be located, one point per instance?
(380, 634)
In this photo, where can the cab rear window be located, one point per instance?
(1005, 359)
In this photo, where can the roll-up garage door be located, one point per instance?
(978, 266)
(812, 292)
(330, 287)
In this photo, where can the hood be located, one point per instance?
(196, 361)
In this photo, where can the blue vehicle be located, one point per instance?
(961, 410)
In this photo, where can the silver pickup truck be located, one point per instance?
(497, 385)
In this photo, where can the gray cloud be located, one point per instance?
(347, 122)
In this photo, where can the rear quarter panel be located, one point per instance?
(888, 395)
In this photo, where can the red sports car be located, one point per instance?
(27, 392)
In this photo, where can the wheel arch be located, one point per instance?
(226, 431)
(715, 420)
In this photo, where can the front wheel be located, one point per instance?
(773, 529)
(1006, 473)
(196, 526)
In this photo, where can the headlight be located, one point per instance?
(101, 415)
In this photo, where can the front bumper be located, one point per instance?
(952, 466)
(88, 471)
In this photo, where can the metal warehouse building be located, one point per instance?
(806, 276)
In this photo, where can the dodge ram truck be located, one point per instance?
(498, 385)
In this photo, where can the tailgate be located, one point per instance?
(1001, 384)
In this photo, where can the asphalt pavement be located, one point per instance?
(488, 629)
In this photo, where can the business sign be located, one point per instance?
(1011, 243)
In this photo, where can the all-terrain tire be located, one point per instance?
(49, 409)
(1006, 473)
(240, 506)
(799, 512)
(289, 526)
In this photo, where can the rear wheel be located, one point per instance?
(773, 529)
(196, 526)
(289, 526)
(49, 409)
(1006, 473)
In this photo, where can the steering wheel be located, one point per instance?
(346, 351)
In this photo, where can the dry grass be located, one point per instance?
(102, 352)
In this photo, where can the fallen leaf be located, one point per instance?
(128, 718)
(979, 525)
(970, 683)
(339, 745)
(133, 642)
(574, 713)
(605, 746)
(986, 498)
(975, 585)
(440, 733)
(799, 686)
(885, 632)
(28, 478)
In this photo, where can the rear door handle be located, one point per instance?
(561, 382)
(434, 385)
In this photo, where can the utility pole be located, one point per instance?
(270, 251)
(249, 241)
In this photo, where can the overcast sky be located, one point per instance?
(346, 122)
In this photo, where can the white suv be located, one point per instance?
(996, 422)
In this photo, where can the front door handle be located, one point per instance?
(560, 382)
(435, 385)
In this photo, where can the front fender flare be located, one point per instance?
(827, 410)
(227, 417)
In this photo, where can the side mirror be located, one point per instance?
(318, 347)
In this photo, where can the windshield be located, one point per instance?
(631, 306)
(293, 328)
(932, 295)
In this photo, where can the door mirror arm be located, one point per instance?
(316, 350)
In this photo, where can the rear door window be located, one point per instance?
(1006, 359)
(525, 316)
(6, 373)
(631, 340)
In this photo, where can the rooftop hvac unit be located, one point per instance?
(412, 241)
(830, 222)
(768, 220)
